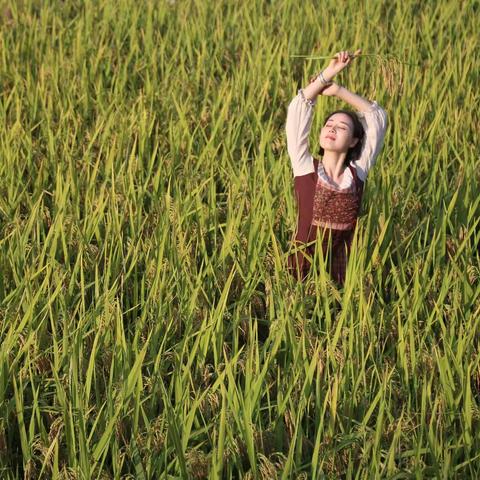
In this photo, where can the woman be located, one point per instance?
(329, 190)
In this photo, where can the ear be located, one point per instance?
(354, 142)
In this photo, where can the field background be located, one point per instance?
(148, 328)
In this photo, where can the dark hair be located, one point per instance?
(358, 132)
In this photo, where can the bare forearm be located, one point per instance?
(315, 88)
(356, 101)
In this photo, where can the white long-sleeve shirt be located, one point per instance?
(299, 120)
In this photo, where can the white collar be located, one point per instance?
(346, 178)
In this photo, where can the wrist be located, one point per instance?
(328, 74)
(320, 78)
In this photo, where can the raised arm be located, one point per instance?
(300, 115)
(372, 115)
(374, 121)
(298, 124)
(340, 61)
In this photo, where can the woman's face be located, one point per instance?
(337, 133)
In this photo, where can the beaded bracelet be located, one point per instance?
(322, 79)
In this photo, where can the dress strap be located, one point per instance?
(316, 162)
(358, 182)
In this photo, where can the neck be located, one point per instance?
(333, 163)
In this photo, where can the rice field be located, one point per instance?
(148, 327)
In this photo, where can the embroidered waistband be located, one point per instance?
(336, 226)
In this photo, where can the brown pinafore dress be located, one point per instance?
(327, 212)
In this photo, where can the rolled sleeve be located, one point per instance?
(298, 124)
(374, 121)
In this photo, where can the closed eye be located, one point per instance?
(341, 128)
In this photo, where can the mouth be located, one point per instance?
(331, 137)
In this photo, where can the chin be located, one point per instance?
(329, 149)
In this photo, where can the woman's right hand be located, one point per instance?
(342, 59)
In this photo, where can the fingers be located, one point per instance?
(342, 56)
(345, 56)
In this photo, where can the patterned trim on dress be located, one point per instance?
(336, 226)
(322, 175)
